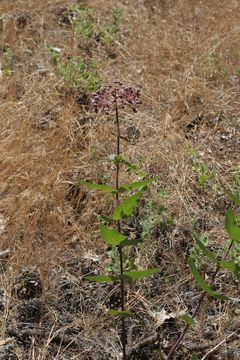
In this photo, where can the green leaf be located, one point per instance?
(127, 206)
(119, 313)
(101, 187)
(230, 220)
(188, 319)
(234, 197)
(117, 159)
(140, 274)
(141, 174)
(228, 265)
(201, 282)
(100, 278)
(209, 254)
(111, 236)
(202, 179)
(136, 184)
(204, 285)
(230, 226)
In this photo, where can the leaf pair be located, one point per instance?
(124, 187)
(126, 208)
(128, 275)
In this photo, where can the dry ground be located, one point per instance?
(184, 56)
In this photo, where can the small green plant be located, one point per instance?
(80, 73)
(206, 177)
(77, 72)
(232, 227)
(87, 26)
(108, 34)
(127, 196)
(156, 214)
(8, 61)
(214, 65)
(203, 175)
(83, 21)
(53, 54)
(117, 13)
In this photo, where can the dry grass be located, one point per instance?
(183, 55)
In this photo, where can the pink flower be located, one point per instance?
(108, 97)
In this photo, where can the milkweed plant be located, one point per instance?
(112, 99)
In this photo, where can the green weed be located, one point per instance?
(83, 21)
(215, 67)
(87, 26)
(108, 34)
(156, 215)
(53, 54)
(8, 61)
(206, 177)
(78, 73)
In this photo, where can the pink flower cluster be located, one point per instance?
(107, 97)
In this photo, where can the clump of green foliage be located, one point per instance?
(82, 21)
(86, 25)
(126, 198)
(108, 34)
(80, 73)
(77, 72)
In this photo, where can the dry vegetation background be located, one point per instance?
(184, 56)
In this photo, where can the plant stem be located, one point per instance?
(120, 250)
(200, 301)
